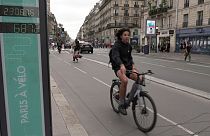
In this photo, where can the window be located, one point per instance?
(199, 21)
(200, 2)
(169, 21)
(186, 3)
(115, 22)
(171, 3)
(185, 20)
(126, 13)
(115, 3)
(126, 21)
(136, 5)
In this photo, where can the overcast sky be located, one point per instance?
(71, 13)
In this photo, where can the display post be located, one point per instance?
(150, 30)
(24, 72)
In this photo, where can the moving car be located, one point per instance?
(86, 47)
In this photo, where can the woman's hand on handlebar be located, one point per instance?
(122, 68)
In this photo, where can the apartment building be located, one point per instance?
(194, 25)
(164, 13)
(111, 15)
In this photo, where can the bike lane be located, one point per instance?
(179, 113)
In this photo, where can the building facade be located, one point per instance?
(108, 16)
(177, 21)
(194, 25)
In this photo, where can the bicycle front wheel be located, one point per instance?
(144, 112)
(114, 96)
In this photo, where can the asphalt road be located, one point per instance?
(86, 86)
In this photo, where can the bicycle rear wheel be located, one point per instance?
(144, 112)
(114, 96)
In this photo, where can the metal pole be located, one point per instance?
(177, 4)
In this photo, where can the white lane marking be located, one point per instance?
(101, 82)
(99, 62)
(154, 64)
(67, 52)
(190, 71)
(170, 121)
(176, 124)
(165, 60)
(180, 87)
(80, 70)
(198, 65)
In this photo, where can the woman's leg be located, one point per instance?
(123, 87)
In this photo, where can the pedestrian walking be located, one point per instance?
(76, 54)
(188, 51)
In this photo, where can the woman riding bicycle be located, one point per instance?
(122, 58)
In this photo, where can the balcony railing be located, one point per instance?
(185, 24)
(209, 22)
(126, 5)
(136, 15)
(136, 6)
(120, 25)
(116, 5)
(200, 2)
(116, 14)
(199, 22)
(126, 14)
(155, 10)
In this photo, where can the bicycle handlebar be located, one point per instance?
(149, 72)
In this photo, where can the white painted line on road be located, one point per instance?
(189, 90)
(170, 121)
(190, 71)
(198, 65)
(170, 84)
(67, 52)
(80, 70)
(154, 64)
(176, 124)
(99, 62)
(165, 60)
(101, 82)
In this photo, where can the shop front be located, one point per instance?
(198, 37)
(166, 41)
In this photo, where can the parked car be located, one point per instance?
(86, 47)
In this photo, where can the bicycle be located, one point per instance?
(142, 103)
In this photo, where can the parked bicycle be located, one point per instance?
(143, 107)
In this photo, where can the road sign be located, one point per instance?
(25, 95)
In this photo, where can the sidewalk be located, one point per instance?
(195, 58)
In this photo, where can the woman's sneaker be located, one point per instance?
(122, 109)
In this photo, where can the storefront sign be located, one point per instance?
(22, 67)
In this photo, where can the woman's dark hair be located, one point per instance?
(120, 32)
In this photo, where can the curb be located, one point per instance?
(189, 90)
(69, 117)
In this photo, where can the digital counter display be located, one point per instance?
(19, 11)
(24, 28)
